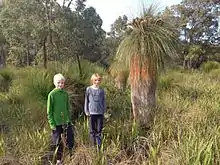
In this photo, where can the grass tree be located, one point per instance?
(144, 51)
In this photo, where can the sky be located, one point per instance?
(110, 10)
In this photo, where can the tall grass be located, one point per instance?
(5, 79)
(210, 65)
(2, 147)
(189, 125)
(186, 128)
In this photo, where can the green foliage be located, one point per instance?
(151, 37)
(188, 121)
(35, 83)
(195, 51)
(186, 126)
(165, 83)
(71, 70)
(215, 74)
(116, 106)
(209, 66)
(6, 77)
(189, 19)
(33, 141)
(41, 31)
(119, 30)
(2, 147)
(38, 82)
(185, 129)
(30, 83)
(89, 68)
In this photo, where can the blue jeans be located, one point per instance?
(96, 126)
(67, 131)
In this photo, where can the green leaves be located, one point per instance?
(18, 20)
(198, 20)
(50, 30)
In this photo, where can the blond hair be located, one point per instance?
(58, 77)
(95, 76)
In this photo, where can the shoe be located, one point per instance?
(99, 142)
(59, 162)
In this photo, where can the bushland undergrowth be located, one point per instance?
(185, 130)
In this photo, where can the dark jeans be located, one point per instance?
(96, 125)
(67, 132)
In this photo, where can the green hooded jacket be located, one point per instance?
(58, 108)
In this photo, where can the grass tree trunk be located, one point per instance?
(143, 90)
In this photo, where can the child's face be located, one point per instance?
(97, 81)
(59, 84)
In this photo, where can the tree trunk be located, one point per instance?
(45, 51)
(143, 90)
(184, 63)
(57, 57)
(28, 58)
(28, 52)
(2, 63)
(4, 53)
(79, 65)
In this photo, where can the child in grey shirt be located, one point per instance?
(95, 107)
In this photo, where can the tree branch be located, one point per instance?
(70, 3)
(64, 1)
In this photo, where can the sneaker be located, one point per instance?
(59, 162)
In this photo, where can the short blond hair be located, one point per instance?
(95, 76)
(58, 77)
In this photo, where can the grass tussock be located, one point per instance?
(185, 130)
(210, 65)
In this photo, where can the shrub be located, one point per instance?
(165, 83)
(6, 77)
(2, 147)
(38, 84)
(210, 65)
(185, 129)
(215, 74)
(71, 70)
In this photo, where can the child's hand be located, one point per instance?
(107, 115)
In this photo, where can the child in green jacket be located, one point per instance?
(58, 111)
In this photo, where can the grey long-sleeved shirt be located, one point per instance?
(94, 101)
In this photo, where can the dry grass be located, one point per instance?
(185, 130)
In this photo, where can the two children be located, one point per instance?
(58, 110)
